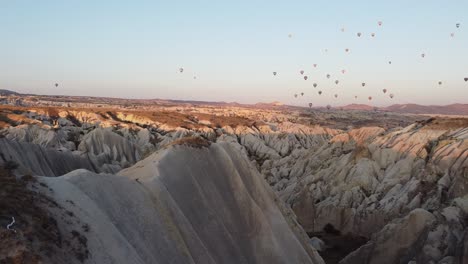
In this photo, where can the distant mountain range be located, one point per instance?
(4, 92)
(452, 109)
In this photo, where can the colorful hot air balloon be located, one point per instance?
(384, 90)
(305, 78)
(315, 85)
(301, 72)
(320, 92)
(336, 82)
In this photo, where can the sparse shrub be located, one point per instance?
(193, 141)
(10, 165)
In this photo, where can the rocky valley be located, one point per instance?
(136, 181)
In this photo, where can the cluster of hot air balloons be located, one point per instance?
(363, 84)
(359, 34)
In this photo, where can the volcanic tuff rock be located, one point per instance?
(182, 205)
(370, 181)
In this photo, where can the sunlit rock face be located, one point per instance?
(187, 203)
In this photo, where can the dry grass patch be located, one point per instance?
(194, 142)
(36, 237)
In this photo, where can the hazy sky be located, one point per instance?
(135, 48)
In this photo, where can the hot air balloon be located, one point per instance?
(194, 77)
(342, 29)
(423, 55)
(302, 94)
(326, 50)
(372, 34)
(290, 35)
(391, 96)
(347, 50)
(315, 65)
(274, 73)
(355, 97)
(466, 79)
(452, 35)
(295, 95)
(181, 70)
(328, 107)
(363, 84)
(315, 85)
(379, 23)
(301, 72)
(359, 34)
(56, 84)
(320, 92)
(457, 25)
(440, 82)
(305, 78)
(389, 62)
(370, 98)
(384, 90)
(328, 76)
(310, 105)
(336, 95)
(336, 82)
(343, 71)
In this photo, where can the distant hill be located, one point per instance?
(276, 103)
(358, 107)
(453, 109)
(4, 92)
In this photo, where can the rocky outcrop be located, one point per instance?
(107, 147)
(36, 160)
(181, 205)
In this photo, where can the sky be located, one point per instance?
(134, 49)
